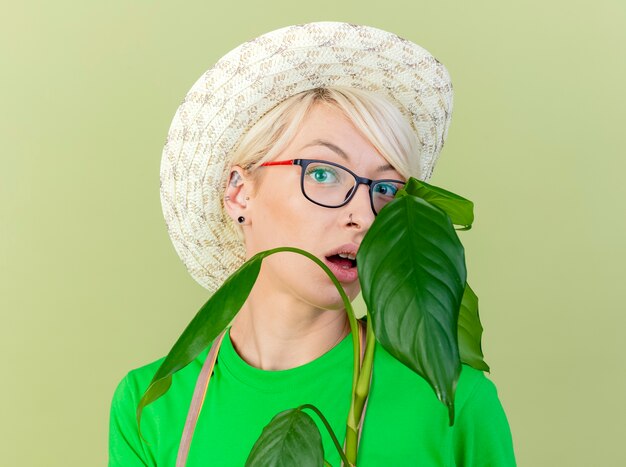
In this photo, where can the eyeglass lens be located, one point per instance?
(330, 186)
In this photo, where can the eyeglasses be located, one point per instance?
(332, 185)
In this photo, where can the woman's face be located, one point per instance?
(277, 213)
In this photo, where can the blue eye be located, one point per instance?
(322, 174)
(385, 189)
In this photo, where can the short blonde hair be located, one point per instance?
(380, 121)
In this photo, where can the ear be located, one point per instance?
(236, 195)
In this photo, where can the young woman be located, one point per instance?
(298, 138)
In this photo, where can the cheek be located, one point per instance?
(285, 217)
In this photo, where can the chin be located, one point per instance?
(299, 277)
(328, 297)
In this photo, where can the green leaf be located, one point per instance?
(217, 313)
(291, 438)
(470, 331)
(460, 210)
(412, 273)
(210, 320)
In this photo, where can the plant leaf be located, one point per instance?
(217, 313)
(460, 210)
(470, 331)
(210, 320)
(291, 438)
(412, 273)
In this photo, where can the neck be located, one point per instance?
(287, 334)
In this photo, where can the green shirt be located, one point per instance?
(404, 424)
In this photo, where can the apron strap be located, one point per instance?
(202, 385)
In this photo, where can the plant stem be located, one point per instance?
(353, 417)
(328, 427)
(360, 394)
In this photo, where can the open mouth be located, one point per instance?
(343, 260)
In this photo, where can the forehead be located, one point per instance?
(325, 122)
(328, 133)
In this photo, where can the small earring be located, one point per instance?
(226, 198)
(241, 219)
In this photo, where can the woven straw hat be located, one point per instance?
(249, 81)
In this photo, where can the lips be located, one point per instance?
(342, 262)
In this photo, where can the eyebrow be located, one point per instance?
(342, 153)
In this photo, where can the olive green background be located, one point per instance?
(92, 287)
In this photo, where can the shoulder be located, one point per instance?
(473, 385)
(161, 420)
(476, 394)
(133, 385)
(482, 435)
(476, 397)
(125, 446)
(400, 397)
(138, 379)
(390, 368)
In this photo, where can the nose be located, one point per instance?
(360, 208)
